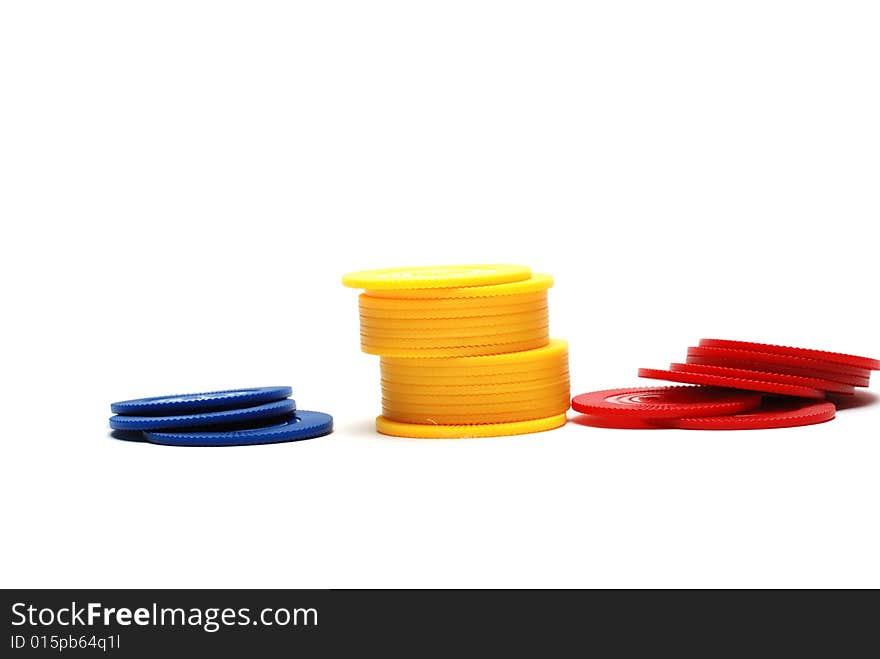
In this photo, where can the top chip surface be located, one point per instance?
(441, 276)
(666, 402)
(535, 284)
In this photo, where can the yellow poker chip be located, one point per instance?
(463, 396)
(459, 421)
(380, 304)
(533, 322)
(397, 369)
(536, 283)
(453, 341)
(466, 388)
(461, 351)
(466, 337)
(437, 431)
(451, 316)
(465, 419)
(521, 405)
(477, 405)
(555, 351)
(484, 380)
(438, 324)
(486, 374)
(443, 276)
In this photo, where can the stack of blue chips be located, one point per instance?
(235, 417)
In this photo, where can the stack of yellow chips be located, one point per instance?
(465, 350)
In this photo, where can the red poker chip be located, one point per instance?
(779, 413)
(822, 355)
(731, 383)
(779, 364)
(665, 402)
(846, 380)
(776, 358)
(766, 376)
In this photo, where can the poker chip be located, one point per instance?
(433, 325)
(493, 338)
(367, 303)
(462, 351)
(298, 426)
(781, 360)
(395, 332)
(401, 310)
(209, 401)
(439, 380)
(803, 368)
(553, 355)
(511, 404)
(463, 347)
(786, 413)
(265, 411)
(535, 284)
(431, 389)
(446, 276)
(665, 402)
(463, 418)
(469, 314)
(766, 376)
(440, 431)
(714, 380)
(821, 355)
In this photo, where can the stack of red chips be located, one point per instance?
(739, 386)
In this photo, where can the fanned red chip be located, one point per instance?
(731, 383)
(665, 402)
(766, 376)
(775, 413)
(786, 364)
(822, 355)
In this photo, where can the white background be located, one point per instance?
(182, 185)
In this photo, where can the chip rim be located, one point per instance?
(468, 431)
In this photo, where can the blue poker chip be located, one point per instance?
(223, 417)
(208, 401)
(301, 425)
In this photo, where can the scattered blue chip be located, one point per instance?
(208, 401)
(301, 425)
(223, 417)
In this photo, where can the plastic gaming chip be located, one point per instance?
(782, 413)
(714, 380)
(302, 425)
(388, 426)
(535, 284)
(807, 353)
(445, 276)
(209, 401)
(264, 411)
(766, 376)
(665, 402)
